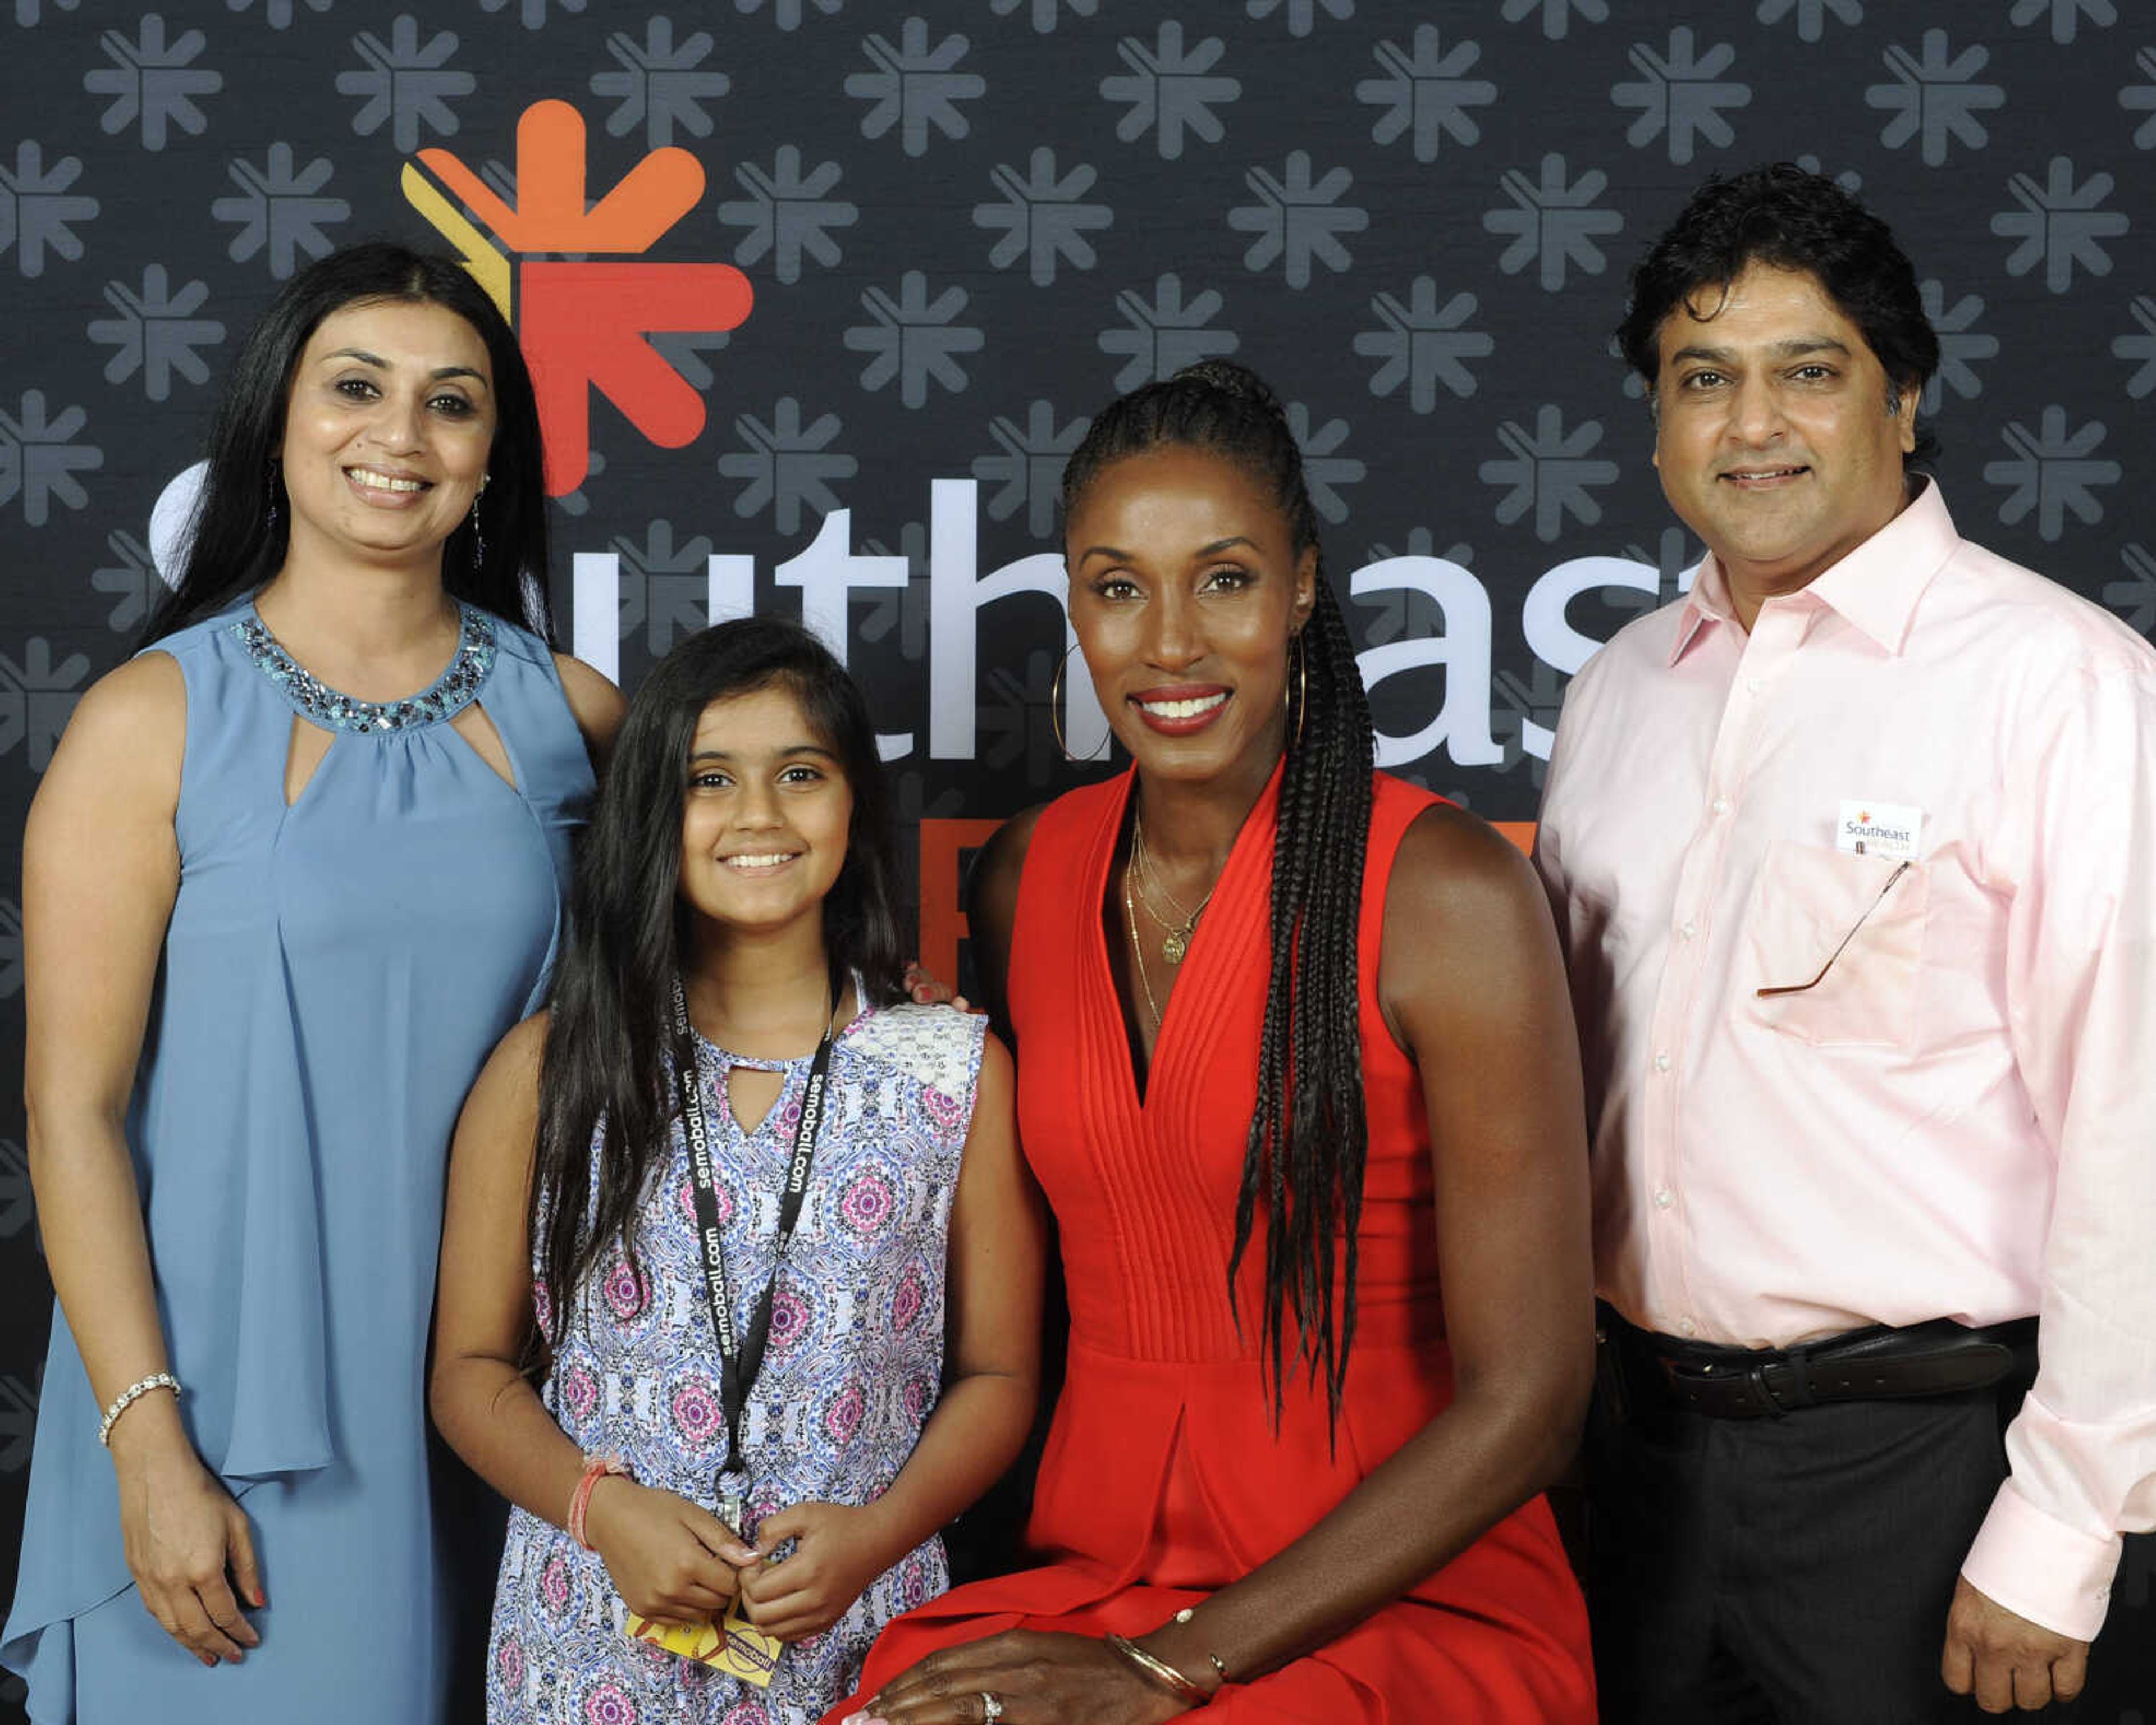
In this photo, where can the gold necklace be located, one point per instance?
(1137, 954)
(1176, 941)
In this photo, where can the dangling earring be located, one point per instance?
(1300, 700)
(270, 522)
(479, 537)
(1055, 709)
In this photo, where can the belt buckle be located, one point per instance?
(1762, 1392)
(1796, 1367)
(1700, 1384)
(1705, 1379)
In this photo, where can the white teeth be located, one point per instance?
(383, 482)
(759, 862)
(1184, 709)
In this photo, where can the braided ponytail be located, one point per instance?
(1309, 1137)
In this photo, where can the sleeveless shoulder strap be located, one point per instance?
(1394, 807)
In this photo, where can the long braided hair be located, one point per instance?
(1308, 1134)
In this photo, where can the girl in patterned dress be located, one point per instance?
(734, 916)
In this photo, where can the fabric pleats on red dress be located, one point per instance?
(1165, 1476)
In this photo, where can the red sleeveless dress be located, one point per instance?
(1163, 1479)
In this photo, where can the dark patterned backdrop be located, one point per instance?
(966, 223)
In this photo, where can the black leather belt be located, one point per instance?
(1941, 1358)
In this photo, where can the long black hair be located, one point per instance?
(611, 1048)
(242, 517)
(1781, 216)
(1308, 1133)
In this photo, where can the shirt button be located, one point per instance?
(1687, 1327)
(1752, 686)
(1661, 1063)
(1689, 930)
(1720, 805)
(1664, 1197)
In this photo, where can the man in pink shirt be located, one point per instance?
(1853, 849)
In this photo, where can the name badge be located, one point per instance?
(1893, 830)
(735, 1646)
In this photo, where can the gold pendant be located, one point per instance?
(1175, 946)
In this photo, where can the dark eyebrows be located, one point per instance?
(1115, 555)
(787, 752)
(381, 364)
(1795, 348)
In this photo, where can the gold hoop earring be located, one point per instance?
(1055, 708)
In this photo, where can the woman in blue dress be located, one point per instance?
(292, 872)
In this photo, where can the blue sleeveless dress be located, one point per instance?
(334, 975)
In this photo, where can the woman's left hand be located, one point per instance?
(835, 1556)
(924, 988)
(1039, 1678)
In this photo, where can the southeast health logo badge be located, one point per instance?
(582, 324)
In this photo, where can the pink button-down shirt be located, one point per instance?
(1959, 1119)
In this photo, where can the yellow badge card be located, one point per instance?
(736, 1646)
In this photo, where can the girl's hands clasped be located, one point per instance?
(1037, 1678)
(672, 1561)
(836, 1554)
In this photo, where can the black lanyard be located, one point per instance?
(741, 1352)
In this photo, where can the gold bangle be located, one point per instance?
(1161, 1671)
(1185, 1616)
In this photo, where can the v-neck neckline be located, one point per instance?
(1260, 820)
(724, 1059)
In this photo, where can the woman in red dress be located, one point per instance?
(1294, 1053)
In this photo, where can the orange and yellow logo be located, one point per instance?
(582, 325)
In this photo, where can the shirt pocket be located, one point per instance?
(1809, 902)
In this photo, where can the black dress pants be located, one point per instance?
(1795, 1570)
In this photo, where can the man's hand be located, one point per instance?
(2005, 1661)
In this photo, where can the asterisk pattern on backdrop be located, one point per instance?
(964, 224)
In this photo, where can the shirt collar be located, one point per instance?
(1875, 588)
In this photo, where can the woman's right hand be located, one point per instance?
(672, 1561)
(184, 1535)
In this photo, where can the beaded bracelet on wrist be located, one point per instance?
(128, 1397)
(596, 1468)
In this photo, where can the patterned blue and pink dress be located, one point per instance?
(849, 1377)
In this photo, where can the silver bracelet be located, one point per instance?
(128, 1397)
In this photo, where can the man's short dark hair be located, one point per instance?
(1782, 216)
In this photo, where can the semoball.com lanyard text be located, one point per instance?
(740, 1352)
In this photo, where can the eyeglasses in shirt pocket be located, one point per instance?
(1837, 940)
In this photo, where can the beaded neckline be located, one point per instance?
(452, 691)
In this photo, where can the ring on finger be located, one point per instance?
(992, 1706)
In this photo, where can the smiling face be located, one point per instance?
(765, 816)
(1773, 434)
(387, 432)
(1186, 587)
